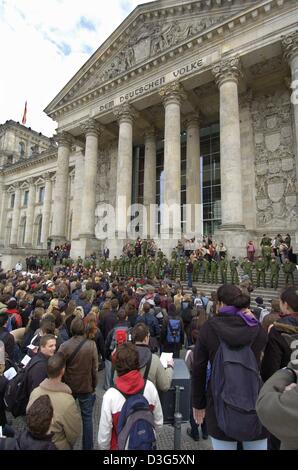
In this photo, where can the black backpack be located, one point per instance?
(16, 394)
(235, 385)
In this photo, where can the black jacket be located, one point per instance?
(277, 352)
(26, 441)
(37, 371)
(235, 332)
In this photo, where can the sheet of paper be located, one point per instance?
(10, 373)
(164, 358)
(25, 360)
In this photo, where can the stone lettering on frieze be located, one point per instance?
(150, 86)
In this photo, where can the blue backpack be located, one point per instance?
(173, 331)
(135, 429)
(235, 385)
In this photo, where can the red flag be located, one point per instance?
(25, 114)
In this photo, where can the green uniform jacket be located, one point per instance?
(278, 410)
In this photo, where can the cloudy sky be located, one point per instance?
(43, 44)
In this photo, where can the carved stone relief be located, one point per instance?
(275, 160)
(106, 164)
(150, 40)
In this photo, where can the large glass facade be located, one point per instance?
(210, 176)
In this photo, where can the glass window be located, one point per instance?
(22, 149)
(26, 196)
(12, 199)
(210, 175)
(41, 195)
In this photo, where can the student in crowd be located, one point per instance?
(237, 328)
(37, 436)
(67, 423)
(129, 382)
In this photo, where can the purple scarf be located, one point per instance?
(250, 321)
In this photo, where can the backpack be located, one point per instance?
(16, 396)
(11, 323)
(197, 302)
(135, 429)
(235, 385)
(173, 331)
(120, 335)
(16, 355)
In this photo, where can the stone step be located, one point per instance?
(267, 294)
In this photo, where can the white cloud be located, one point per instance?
(44, 43)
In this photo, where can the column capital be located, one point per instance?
(17, 185)
(91, 127)
(192, 120)
(64, 139)
(172, 93)
(150, 133)
(290, 45)
(47, 176)
(228, 70)
(30, 181)
(125, 113)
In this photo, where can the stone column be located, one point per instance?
(125, 115)
(91, 131)
(290, 46)
(61, 188)
(77, 194)
(150, 176)
(193, 175)
(172, 95)
(227, 74)
(30, 214)
(46, 210)
(15, 217)
(2, 209)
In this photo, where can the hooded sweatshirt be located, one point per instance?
(130, 383)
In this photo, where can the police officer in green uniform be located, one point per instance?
(223, 266)
(196, 269)
(206, 270)
(247, 266)
(182, 269)
(173, 266)
(115, 265)
(274, 269)
(234, 263)
(267, 254)
(289, 269)
(214, 271)
(260, 270)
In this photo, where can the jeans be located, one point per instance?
(247, 445)
(189, 275)
(86, 402)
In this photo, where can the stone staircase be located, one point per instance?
(267, 293)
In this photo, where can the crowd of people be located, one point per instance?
(67, 326)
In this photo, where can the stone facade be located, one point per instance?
(172, 67)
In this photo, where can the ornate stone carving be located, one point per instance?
(91, 127)
(149, 40)
(192, 120)
(172, 91)
(267, 67)
(64, 139)
(227, 70)
(290, 45)
(125, 112)
(275, 160)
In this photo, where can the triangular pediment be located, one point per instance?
(150, 30)
(39, 182)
